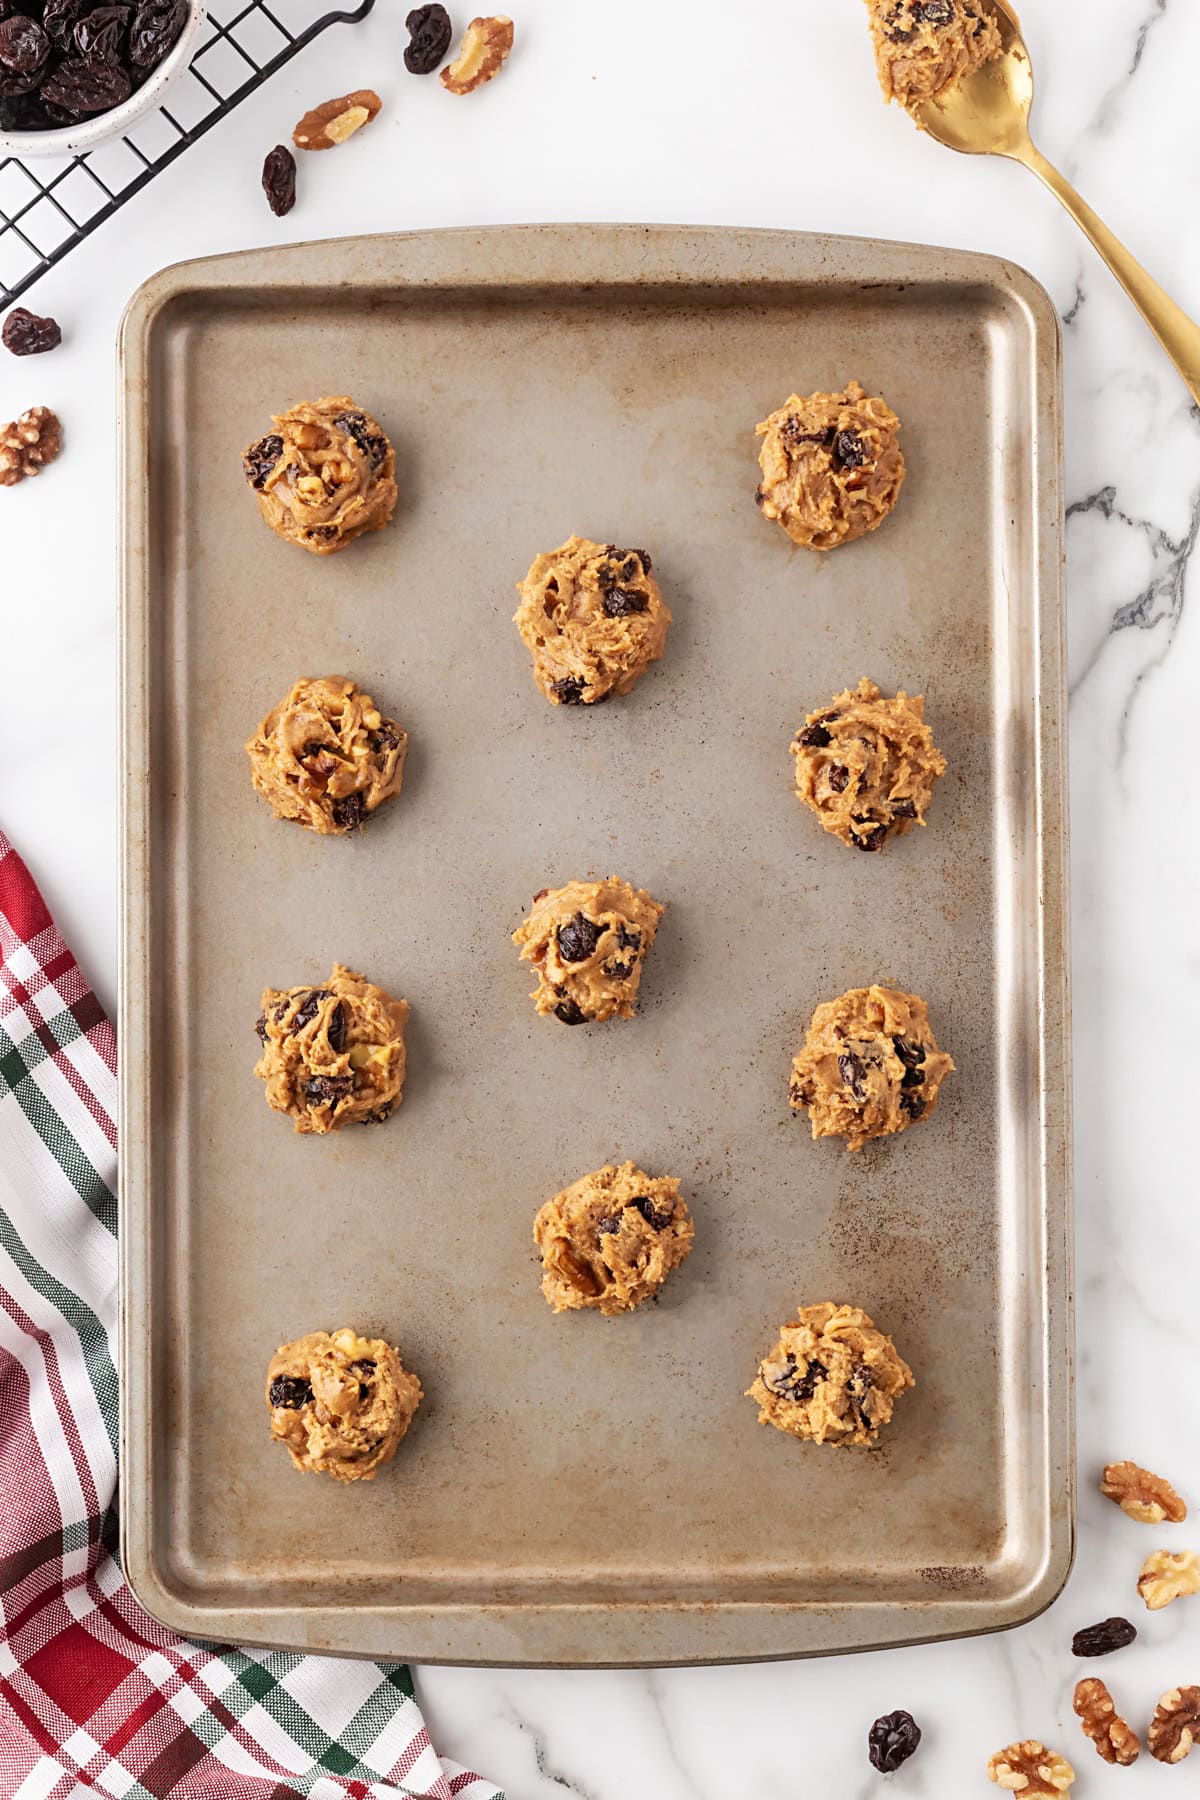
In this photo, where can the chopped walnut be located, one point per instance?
(1115, 1741)
(1145, 1497)
(28, 444)
(1169, 1575)
(1029, 1768)
(486, 43)
(1174, 1725)
(336, 120)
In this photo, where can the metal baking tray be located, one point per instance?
(582, 1490)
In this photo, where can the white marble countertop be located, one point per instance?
(765, 112)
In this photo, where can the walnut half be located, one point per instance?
(1150, 1499)
(1169, 1575)
(1115, 1741)
(486, 43)
(1174, 1725)
(1030, 1769)
(335, 120)
(28, 444)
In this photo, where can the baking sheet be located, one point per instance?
(580, 1490)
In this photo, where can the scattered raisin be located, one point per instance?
(430, 30)
(336, 1032)
(320, 1089)
(569, 692)
(892, 1740)
(813, 737)
(279, 180)
(657, 1217)
(261, 458)
(839, 777)
(851, 1071)
(156, 25)
(577, 939)
(1100, 1640)
(24, 45)
(569, 1013)
(620, 602)
(373, 445)
(291, 1391)
(348, 811)
(25, 334)
(849, 451)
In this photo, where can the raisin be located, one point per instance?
(620, 602)
(629, 940)
(384, 739)
(619, 971)
(156, 25)
(577, 939)
(870, 839)
(364, 1367)
(430, 30)
(911, 1055)
(892, 1740)
(60, 17)
(291, 1391)
(377, 1117)
(569, 692)
(372, 444)
(630, 570)
(796, 1383)
(904, 809)
(348, 811)
(102, 33)
(336, 1031)
(309, 1009)
(279, 180)
(261, 458)
(24, 45)
(849, 451)
(1100, 1640)
(912, 1103)
(606, 1227)
(813, 737)
(657, 1217)
(851, 1071)
(860, 1387)
(569, 1013)
(87, 86)
(25, 334)
(934, 12)
(260, 1025)
(792, 435)
(323, 533)
(839, 778)
(322, 1089)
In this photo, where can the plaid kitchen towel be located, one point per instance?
(95, 1698)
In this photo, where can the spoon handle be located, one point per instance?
(1176, 332)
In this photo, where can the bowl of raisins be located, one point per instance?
(74, 73)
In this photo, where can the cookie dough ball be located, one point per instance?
(588, 942)
(832, 1377)
(326, 757)
(324, 476)
(923, 48)
(593, 618)
(866, 766)
(870, 1066)
(332, 1055)
(831, 465)
(610, 1240)
(340, 1403)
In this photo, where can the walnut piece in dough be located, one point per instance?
(923, 48)
(332, 1055)
(326, 757)
(324, 476)
(831, 466)
(870, 1066)
(831, 1378)
(610, 1240)
(588, 942)
(593, 618)
(866, 766)
(340, 1403)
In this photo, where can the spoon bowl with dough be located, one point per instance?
(987, 114)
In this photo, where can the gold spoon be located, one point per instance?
(987, 114)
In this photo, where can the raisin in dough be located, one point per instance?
(324, 476)
(923, 48)
(831, 466)
(332, 1055)
(593, 618)
(832, 1377)
(610, 1240)
(866, 766)
(326, 757)
(340, 1403)
(870, 1066)
(588, 942)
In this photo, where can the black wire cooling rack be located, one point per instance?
(50, 204)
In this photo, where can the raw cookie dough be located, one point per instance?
(611, 1239)
(588, 942)
(593, 618)
(870, 1066)
(831, 465)
(326, 757)
(832, 1377)
(332, 1055)
(324, 476)
(340, 1403)
(923, 48)
(866, 766)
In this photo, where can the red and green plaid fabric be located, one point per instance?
(95, 1698)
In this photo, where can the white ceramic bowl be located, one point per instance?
(77, 140)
